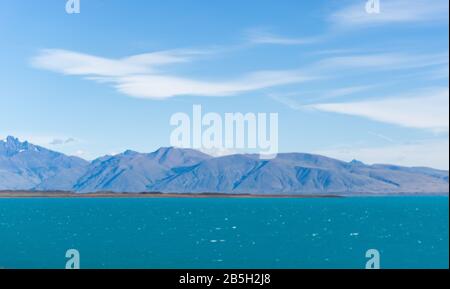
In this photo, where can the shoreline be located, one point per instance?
(150, 195)
(72, 195)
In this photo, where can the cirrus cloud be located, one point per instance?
(140, 75)
(392, 11)
(429, 110)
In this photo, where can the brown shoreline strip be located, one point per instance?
(25, 194)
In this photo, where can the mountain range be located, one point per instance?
(24, 166)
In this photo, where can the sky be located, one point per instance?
(345, 83)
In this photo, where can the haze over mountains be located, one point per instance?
(24, 166)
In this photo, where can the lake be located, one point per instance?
(409, 232)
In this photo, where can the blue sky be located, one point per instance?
(345, 83)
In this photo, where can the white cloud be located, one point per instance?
(79, 153)
(382, 61)
(258, 37)
(392, 11)
(430, 153)
(381, 136)
(429, 110)
(58, 141)
(161, 87)
(139, 76)
(75, 63)
(316, 95)
(344, 91)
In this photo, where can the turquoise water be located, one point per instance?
(409, 232)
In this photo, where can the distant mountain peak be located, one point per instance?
(12, 146)
(356, 162)
(24, 166)
(166, 152)
(130, 153)
(164, 149)
(13, 141)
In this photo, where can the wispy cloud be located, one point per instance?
(343, 91)
(429, 110)
(141, 76)
(297, 100)
(161, 86)
(350, 65)
(382, 61)
(58, 141)
(392, 11)
(261, 37)
(75, 63)
(381, 136)
(145, 75)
